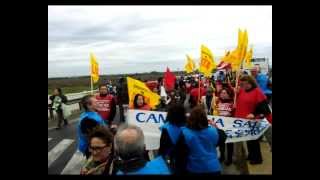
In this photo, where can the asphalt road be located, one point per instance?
(63, 157)
(58, 160)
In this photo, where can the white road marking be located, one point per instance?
(58, 150)
(75, 164)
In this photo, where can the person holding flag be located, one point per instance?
(140, 94)
(252, 104)
(139, 103)
(194, 94)
(206, 66)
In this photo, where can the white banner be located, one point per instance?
(236, 129)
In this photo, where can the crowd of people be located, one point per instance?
(188, 143)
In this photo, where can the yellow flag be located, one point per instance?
(138, 87)
(226, 58)
(240, 38)
(234, 59)
(244, 45)
(238, 55)
(248, 63)
(94, 68)
(190, 66)
(207, 61)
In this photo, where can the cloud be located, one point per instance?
(130, 39)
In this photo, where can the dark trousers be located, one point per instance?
(268, 135)
(121, 112)
(61, 118)
(254, 151)
(229, 151)
(269, 99)
(51, 113)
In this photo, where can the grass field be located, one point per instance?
(82, 83)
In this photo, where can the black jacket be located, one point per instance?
(64, 100)
(122, 93)
(168, 150)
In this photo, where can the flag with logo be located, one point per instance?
(207, 61)
(94, 68)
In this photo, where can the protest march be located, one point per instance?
(186, 103)
(180, 120)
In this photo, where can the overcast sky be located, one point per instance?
(130, 39)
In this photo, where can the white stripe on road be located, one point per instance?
(71, 121)
(58, 150)
(75, 164)
(49, 139)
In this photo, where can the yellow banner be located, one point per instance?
(138, 87)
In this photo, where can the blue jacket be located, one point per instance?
(173, 131)
(202, 145)
(153, 167)
(262, 81)
(83, 142)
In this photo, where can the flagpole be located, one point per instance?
(91, 85)
(199, 88)
(90, 70)
(237, 80)
(91, 82)
(212, 101)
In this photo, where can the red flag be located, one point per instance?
(169, 80)
(224, 65)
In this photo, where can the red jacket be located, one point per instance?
(247, 103)
(105, 106)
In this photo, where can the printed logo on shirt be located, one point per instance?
(225, 109)
(103, 105)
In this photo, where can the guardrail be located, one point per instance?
(73, 98)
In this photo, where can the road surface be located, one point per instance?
(63, 157)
